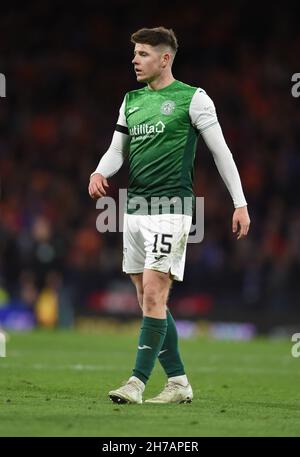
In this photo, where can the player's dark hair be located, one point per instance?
(155, 37)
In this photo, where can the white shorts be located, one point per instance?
(157, 242)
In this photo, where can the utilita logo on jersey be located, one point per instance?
(147, 130)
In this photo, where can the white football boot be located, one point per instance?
(173, 392)
(131, 392)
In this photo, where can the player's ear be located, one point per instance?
(166, 57)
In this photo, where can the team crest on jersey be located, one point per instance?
(167, 107)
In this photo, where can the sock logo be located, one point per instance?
(144, 347)
(161, 352)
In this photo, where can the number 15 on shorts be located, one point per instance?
(164, 240)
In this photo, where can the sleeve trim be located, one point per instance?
(122, 129)
(207, 126)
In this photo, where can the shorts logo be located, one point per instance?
(159, 257)
(167, 107)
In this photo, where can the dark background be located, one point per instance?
(67, 68)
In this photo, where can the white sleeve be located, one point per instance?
(114, 157)
(216, 143)
(202, 111)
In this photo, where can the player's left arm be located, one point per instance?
(204, 118)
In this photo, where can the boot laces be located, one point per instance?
(169, 388)
(130, 385)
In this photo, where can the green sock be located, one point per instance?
(169, 354)
(153, 332)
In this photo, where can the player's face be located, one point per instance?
(147, 62)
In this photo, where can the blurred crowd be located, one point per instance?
(66, 75)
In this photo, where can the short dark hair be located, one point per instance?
(155, 37)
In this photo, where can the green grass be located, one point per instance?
(56, 384)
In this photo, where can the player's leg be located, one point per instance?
(178, 389)
(169, 355)
(152, 290)
(156, 287)
(169, 255)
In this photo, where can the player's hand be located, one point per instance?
(96, 186)
(240, 222)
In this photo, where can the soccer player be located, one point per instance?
(157, 132)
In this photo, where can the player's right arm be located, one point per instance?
(113, 159)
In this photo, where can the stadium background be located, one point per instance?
(67, 69)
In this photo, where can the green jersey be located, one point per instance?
(163, 144)
(158, 130)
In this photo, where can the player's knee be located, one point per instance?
(150, 301)
(149, 308)
(151, 296)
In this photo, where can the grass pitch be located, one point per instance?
(56, 384)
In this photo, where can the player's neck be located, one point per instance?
(161, 82)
